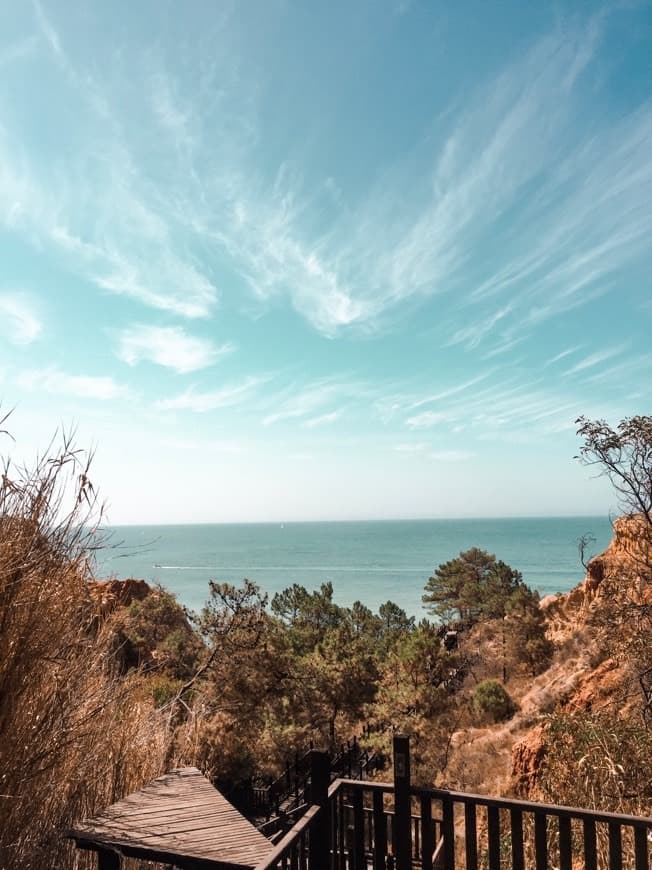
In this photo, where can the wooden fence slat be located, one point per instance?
(107, 859)
(448, 833)
(380, 832)
(640, 849)
(402, 823)
(341, 831)
(516, 825)
(615, 847)
(540, 841)
(565, 844)
(470, 837)
(427, 833)
(590, 846)
(359, 862)
(493, 833)
(369, 830)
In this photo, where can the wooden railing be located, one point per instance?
(279, 798)
(307, 844)
(298, 848)
(361, 825)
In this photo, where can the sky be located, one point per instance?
(294, 261)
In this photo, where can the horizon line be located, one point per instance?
(283, 522)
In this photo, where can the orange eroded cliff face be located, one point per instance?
(624, 565)
(592, 626)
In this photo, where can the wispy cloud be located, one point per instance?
(515, 406)
(451, 391)
(527, 213)
(53, 380)
(426, 419)
(624, 371)
(323, 419)
(19, 322)
(306, 401)
(169, 346)
(97, 204)
(585, 217)
(202, 401)
(48, 31)
(561, 355)
(595, 359)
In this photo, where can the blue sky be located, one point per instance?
(283, 260)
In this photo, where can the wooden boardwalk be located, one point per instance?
(177, 819)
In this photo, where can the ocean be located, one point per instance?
(368, 561)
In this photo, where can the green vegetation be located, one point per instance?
(471, 587)
(100, 694)
(491, 699)
(476, 588)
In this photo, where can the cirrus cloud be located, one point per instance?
(53, 380)
(210, 400)
(169, 346)
(19, 322)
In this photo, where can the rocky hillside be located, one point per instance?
(591, 671)
(625, 562)
(599, 630)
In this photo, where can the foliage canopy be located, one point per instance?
(472, 586)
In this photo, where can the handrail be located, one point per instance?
(531, 806)
(365, 830)
(367, 784)
(499, 803)
(284, 847)
(291, 786)
(273, 825)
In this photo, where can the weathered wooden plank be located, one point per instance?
(181, 815)
(169, 825)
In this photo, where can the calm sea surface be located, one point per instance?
(369, 561)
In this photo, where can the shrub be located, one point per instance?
(598, 760)
(491, 699)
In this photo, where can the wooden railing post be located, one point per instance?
(107, 859)
(402, 803)
(320, 832)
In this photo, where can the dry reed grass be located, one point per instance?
(74, 736)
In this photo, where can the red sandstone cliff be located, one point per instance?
(593, 625)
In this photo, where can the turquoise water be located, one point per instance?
(369, 561)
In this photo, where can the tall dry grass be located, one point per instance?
(74, 734)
